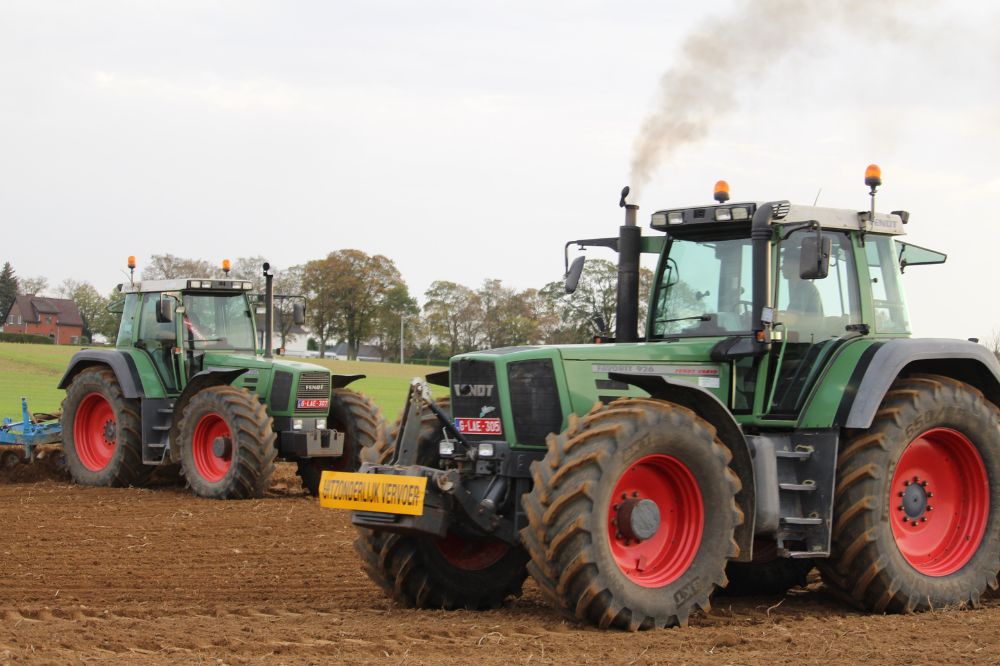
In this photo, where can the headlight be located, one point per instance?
(485, 450)
(296, 424)
(675, 217)
(446, 448)
(659, 220)
(741, 214)
(723, 214)
(195, 284)
(320, 424)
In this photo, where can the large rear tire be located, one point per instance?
(632, 515)
(458, 571)
(101, 428)
(917, 502)
(360, 419)
(227, 444)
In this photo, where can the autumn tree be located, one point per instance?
(33, 286)
(397, 308)
(169, 267)
(288, 291)
(345, 291)
(506, 315)
(592, 306)
(453, 315)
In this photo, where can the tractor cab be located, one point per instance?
(175, 322)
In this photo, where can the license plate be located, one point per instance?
(479, 426)
(381, 493)
(314, 403)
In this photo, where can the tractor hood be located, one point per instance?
(524, 393)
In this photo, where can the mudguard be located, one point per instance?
(966, 361)
(120, 363)
(708, 407)
(340, 381)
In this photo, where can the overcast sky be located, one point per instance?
(470, 140)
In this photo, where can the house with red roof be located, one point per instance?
(55, 318)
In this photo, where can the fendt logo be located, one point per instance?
(477, 390)
(313, 387)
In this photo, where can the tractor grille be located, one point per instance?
(474, 393)
(534, 400)
(313, 386)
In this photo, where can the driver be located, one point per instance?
(803, 296)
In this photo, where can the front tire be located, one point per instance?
(360, 419)
(632, 515)
(101, 429)
(917, 502)
(458, 571)
(227, 444)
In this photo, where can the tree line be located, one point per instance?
(357, 298)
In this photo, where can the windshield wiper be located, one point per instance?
(704, 317)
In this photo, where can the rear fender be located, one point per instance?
(709, 408)
(120, 363)
(965, 361)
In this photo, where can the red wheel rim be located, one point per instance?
(939, 502)
(471, 554)
(211, 466)
(95, 432)
(663, 557)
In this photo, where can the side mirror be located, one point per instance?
(298, 314)
(574, 273)
(598, 321)
(164, 310)
(814, 260)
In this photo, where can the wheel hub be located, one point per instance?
(109, 432)
(915, 494)
(638, 519)
(222, 447)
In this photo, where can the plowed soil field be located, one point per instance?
(158, 576)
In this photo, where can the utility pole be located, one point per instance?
(402, 319)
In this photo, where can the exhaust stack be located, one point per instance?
(627, 306)
(268, 311)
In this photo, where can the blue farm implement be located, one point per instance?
(31, 431)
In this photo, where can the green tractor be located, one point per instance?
(773, 416)
(188, 387)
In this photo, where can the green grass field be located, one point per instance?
(35, 370)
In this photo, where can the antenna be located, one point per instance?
(818, 192)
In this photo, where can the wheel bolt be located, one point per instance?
(914, 523)
(635, 493)
(930, 494)
(614, 521)
(615, 507)
(923, 483)
(901, 508)
(906, 483)
(924, 519)
(624, 495)
(915, 479)
(930, 508)
(902, 494)
(618, 535)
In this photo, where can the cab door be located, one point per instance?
(813, 318)
(159, 341)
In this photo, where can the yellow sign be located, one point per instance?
(382, 493)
